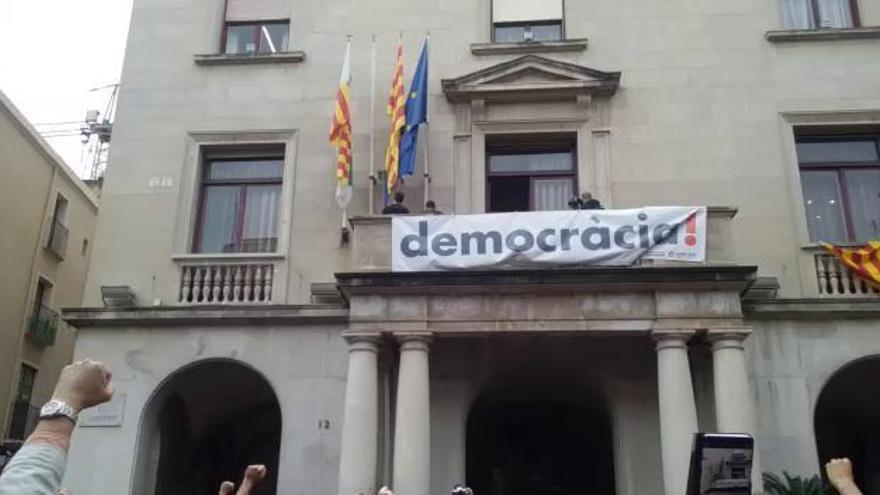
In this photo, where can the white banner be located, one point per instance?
(548, 238)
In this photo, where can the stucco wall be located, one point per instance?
(696, 119)
(790, 362)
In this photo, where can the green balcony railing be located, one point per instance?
(43, 326)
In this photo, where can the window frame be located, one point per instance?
(817, 18)
(257, 25)
(553, 143)
(236, 154)
(840, 169)
(492, 23)
(15, 400)
(59, 218)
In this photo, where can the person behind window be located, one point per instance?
(585, 202)
(396, 207)
(431, 208)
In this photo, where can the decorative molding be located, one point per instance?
(798, 35)
(523, 47)
(267, 58)
(530, 78)
(812, 309)
(220, 315)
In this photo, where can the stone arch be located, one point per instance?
(847, 420)
(203, 424)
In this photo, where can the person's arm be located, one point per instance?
(37, 468)
(840, 475)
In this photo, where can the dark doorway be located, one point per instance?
(214, 420)
(847, 422)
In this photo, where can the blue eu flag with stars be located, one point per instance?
(416, 114)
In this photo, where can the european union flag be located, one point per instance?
(416, 114)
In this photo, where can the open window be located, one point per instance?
(840, 179)
(819, 14)
(256, 27)
(526, 20)
(58, 231)
(530, 172)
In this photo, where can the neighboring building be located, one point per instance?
(256, 335)
(48, 217)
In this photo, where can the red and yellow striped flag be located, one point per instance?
(864, 262)
(340, 133)
(397, 111)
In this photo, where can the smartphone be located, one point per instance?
(721, 464)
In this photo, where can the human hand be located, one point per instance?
(840, 475)
(252, 476)
(84, 384)
(385, 491)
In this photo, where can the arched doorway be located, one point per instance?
(539, 429)
(205, 425)
(847, 421)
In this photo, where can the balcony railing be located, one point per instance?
(226, 282)
(43, 326)
(836, 280)
(58, 239)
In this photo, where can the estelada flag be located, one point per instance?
(863, 262)
(340, 133)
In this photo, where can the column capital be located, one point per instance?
(414, 341)
(362, 342)
(728, 337)
(671, 339)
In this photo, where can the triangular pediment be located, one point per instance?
(531, 77)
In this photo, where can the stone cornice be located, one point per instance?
(522, 47)
(164, 316)
(265, 58)
(811, 309)
(798, 35)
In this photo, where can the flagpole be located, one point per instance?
(427, 173)
(344, 234)
(373, 126)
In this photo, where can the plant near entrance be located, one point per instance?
(794, 485)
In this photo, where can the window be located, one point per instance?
(525, 20)
(256, 27)
(819, 14)
(240, 201)
(840, 178)
(530, 173)
(249, 38)
(24, 415)
(58, 232)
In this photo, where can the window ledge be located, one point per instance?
(797, 35)
(818, 248)
(572, 45)
(227, 257)
(270, 58)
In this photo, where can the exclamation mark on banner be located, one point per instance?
(690, 237)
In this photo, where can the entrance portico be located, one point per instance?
(612, 317)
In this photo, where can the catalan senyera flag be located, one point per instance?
(397, 112)
(340, 133)
(864, 262)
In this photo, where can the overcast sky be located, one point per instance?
(52, 52)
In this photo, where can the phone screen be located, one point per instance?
(721, 464)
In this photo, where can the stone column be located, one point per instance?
(360, 428)
(412, 429)
(678, 411)
(734, 402)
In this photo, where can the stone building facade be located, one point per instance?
(48, 216)
(257, 334)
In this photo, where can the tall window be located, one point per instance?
(819, 14)
(526, 20)
(840, 178)
(256, 27)
(58, 230)
(240, 202)
(530, 173)
(24, 415)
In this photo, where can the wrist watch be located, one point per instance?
(58, 409)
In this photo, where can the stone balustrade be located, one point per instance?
(230, 281)
(836, 280)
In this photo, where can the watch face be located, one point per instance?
(51, 407)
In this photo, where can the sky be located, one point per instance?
(52, 53)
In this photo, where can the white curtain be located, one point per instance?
(526, 10)
(552, 194)
(797, 14)
(835, 14)
(260, 230)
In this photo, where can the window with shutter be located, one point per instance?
(526, 20)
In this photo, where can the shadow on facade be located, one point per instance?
(847, 421)
(205, 425)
